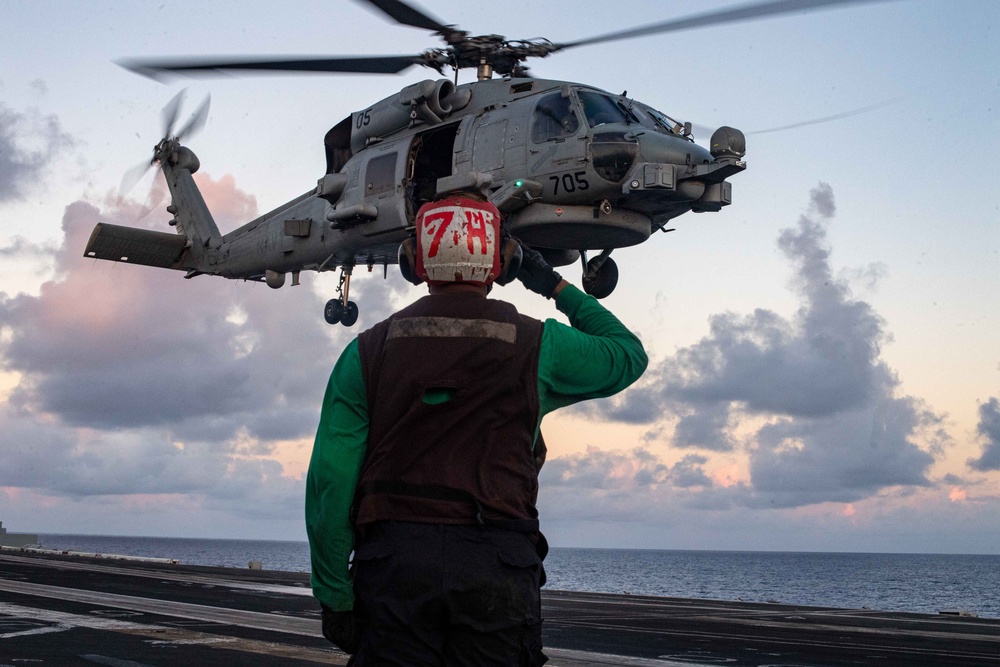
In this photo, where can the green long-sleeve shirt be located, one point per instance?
(596, 357)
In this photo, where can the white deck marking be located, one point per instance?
(165, 636)
(112, 662)
(246, 619)
(566, 658)
(35, 631)
(162, 575)
(65, 620)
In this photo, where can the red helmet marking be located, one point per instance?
(443, 218)
(475, 229)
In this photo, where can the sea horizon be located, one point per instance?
(552, 546)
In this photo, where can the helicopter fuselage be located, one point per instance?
(571, 167)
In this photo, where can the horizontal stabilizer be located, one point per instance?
(136, 246)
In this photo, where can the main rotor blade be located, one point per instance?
(157, 69)
(732, 15)
(409, 15)
(827, 119)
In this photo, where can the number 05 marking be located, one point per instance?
(570, 182)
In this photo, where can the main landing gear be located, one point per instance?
(340, 310)
(600, 275)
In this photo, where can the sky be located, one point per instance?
(824, 360)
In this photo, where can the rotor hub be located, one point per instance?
(488, 54)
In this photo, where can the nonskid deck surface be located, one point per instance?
(60, 610)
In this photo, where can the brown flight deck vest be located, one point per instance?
(452, 386)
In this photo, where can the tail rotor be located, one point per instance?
(171, 112)
(169, 116)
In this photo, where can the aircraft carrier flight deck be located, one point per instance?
(71, 610)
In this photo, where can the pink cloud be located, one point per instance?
(727, 476)
(229, 205)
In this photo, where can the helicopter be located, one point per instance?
(573, 169)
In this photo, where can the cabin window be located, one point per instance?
(380, 175)
(554, 118)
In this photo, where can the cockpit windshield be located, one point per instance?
(601, 109)
(654, 119)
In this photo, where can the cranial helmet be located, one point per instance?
(459, 240)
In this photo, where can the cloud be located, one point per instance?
(989, 430)
(923, 520)
(611, 469)
(132, 380)
(20, 248)
(78, 464)
(841, 458)
(823, 362)
(108, 346)
(705, 427)
(689, 471)
(812, 399)
(616, 485)
(29, 141)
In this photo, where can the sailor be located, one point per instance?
(426, 459)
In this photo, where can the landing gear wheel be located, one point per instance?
(334, 311)
(350, 315)
(601, 282)
(340, 310)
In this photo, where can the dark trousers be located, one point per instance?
(431, 595)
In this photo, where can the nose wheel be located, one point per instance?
(340, 310)
(600, 274)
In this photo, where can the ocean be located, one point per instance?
(925, 583)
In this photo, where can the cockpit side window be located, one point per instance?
(601, 109)
(554, 118)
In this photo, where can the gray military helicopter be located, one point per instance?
(574, 169)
